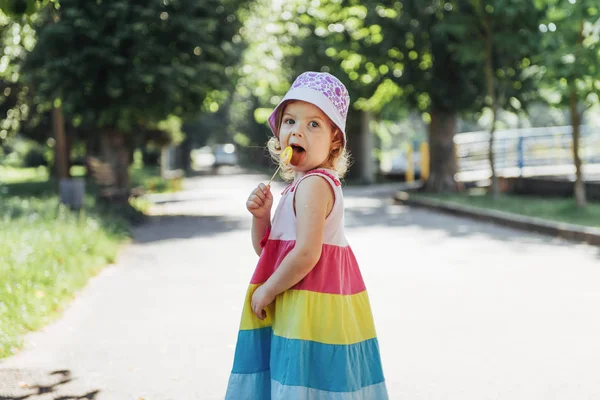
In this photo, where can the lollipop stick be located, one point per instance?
(276, 171)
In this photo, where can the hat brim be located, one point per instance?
(314, 97)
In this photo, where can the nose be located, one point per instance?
(297, 132)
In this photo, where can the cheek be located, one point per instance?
(323, 145)
(283, 135)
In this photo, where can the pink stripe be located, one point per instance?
(337, 271)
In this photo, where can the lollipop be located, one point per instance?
(286, 155)
(284, 158)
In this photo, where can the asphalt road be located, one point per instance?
(464, 310)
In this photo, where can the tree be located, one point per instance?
(17, 38)
(120, 67)
(500, 36)
(430, 75)
(288, 38)
(572, 65)
(263, 76)
(19, 8)
(337, 39)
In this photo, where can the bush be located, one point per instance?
(34, 158)
(48, 254)
(151, 158)
(24, 153)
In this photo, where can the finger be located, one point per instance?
(255, 198)
(252, 205)
(266, 190)
(257, 311)
(268, 193)
(260, 194)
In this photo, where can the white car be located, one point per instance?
(225, 154)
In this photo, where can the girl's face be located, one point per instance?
(310, 133)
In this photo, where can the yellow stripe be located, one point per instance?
(320, 317)
(251, 321)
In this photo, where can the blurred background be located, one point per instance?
(186, 87)
(110, 110)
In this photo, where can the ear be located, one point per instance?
(336, 137)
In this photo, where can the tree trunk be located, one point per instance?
(442, 160)
(360, 145)
(61, 160)
(367, 175)
(186, 155)
(580, 196)
(491, 99)
(115, 153)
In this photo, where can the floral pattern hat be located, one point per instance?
(322, 90)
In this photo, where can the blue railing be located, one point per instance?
(528, 151)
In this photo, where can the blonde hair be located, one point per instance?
(339, 156)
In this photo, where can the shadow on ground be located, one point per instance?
(383, 212)
(364, 207)
(32, 388)
(168, 227)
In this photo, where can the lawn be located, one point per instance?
(555, 209)
(47, 251)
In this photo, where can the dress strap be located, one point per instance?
(331, 178)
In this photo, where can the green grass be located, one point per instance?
(19, 175)
(146, 177)
(47, 252)
(149, 178)
(555, 209)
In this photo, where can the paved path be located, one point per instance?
(464, 310)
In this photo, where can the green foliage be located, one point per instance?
(18, 8)
(17, 37)
(125, 65)
(514, 39)
(287, 38)
(24, 153)
(421, 58)
(48, 253)
(554, 209)
(571, 60)
(263, 76)
(148, 178)
(338, 40)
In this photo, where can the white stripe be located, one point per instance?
(249, 386)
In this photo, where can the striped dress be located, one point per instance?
(318, 341)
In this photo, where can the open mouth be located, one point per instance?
(297, 153)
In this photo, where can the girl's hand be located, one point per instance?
(260, 202)
(260, 300)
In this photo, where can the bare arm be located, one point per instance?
(259, 204)
(259, 228)
(314, 201)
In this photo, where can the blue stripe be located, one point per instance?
(329, 367)
(252, 351)
(293, 362)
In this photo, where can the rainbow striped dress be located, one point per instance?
(318, 341)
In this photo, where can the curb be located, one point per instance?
(563, 230)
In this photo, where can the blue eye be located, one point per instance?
(289, 121)
(314, 124)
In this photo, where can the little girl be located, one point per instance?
(307, 331)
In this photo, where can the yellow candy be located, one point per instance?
(286, 155)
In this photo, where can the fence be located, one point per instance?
(523, 152)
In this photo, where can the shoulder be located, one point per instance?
(314, 191)
(313, 185)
